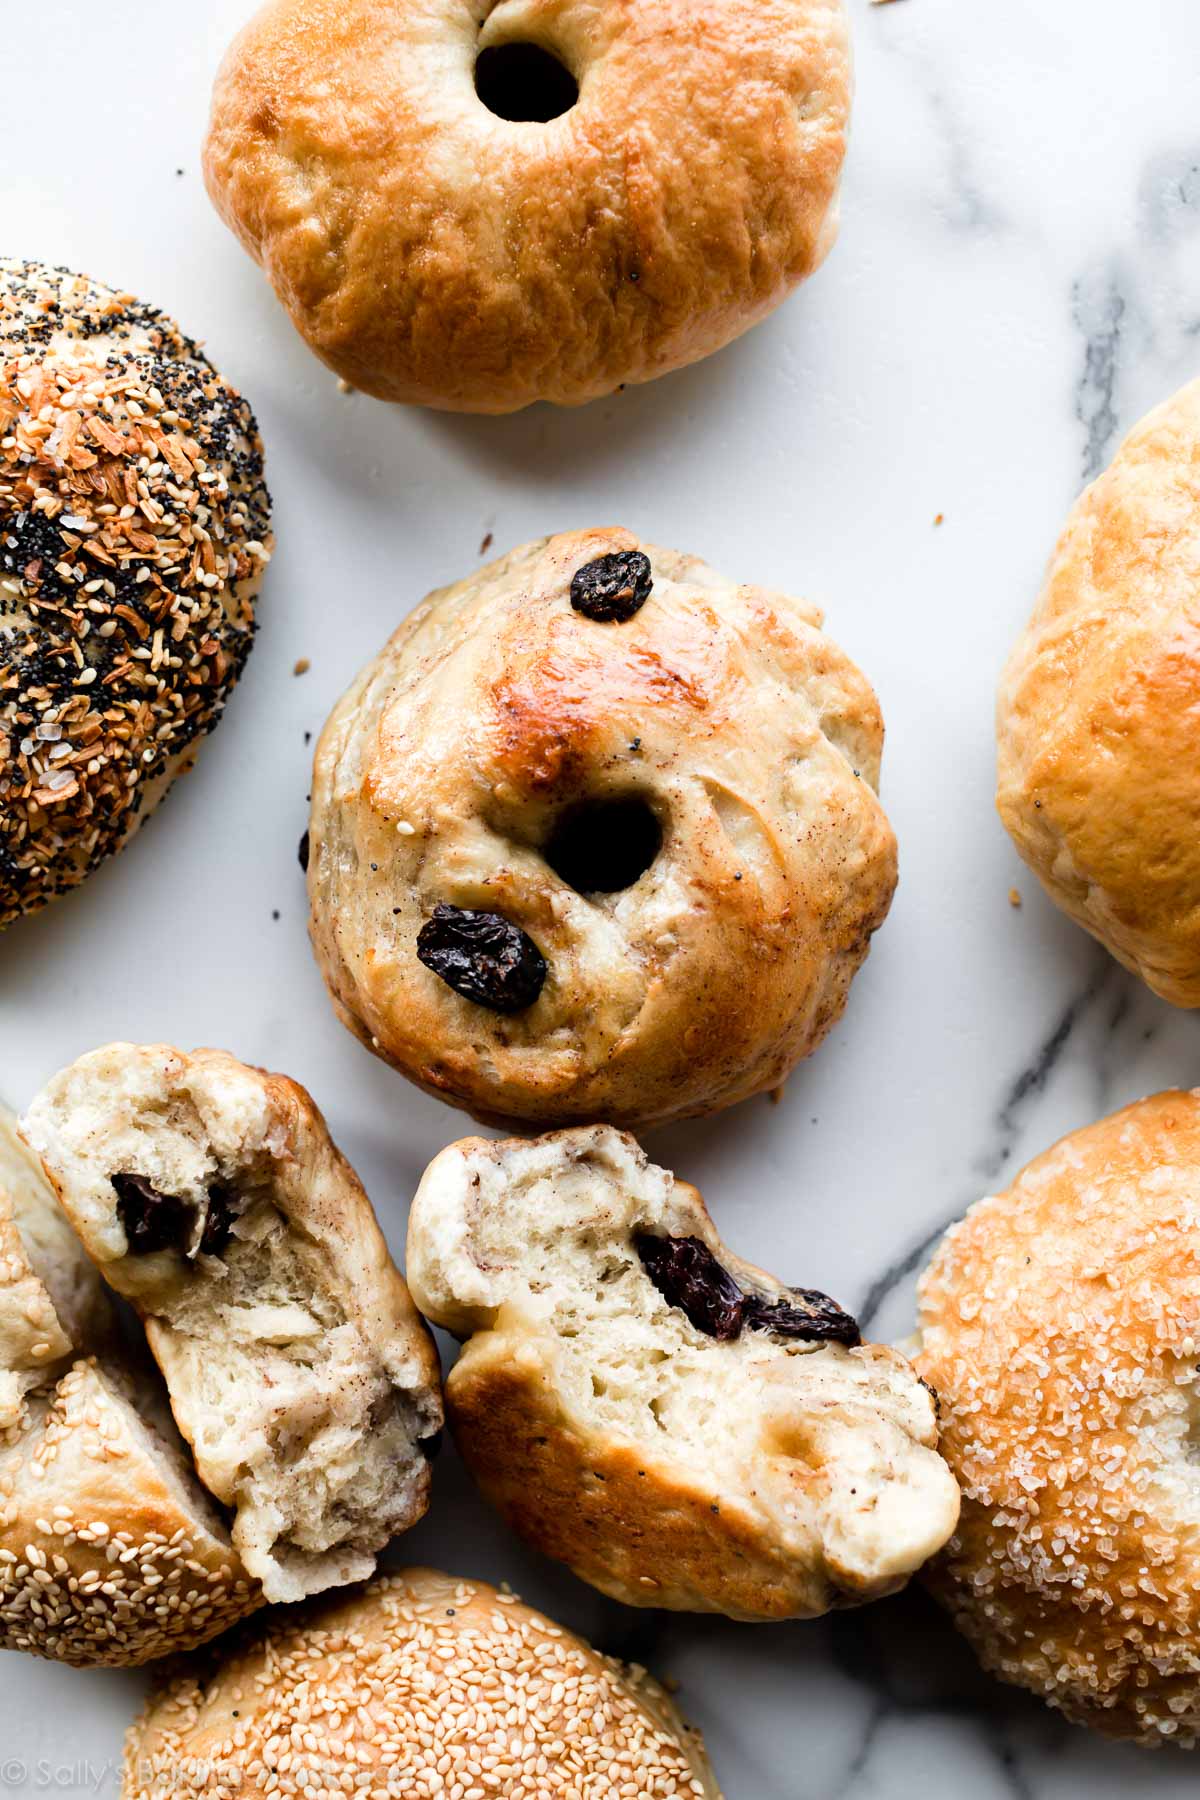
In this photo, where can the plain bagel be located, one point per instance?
(437, 236)
(1098, 721)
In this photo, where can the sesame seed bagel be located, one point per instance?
(1098, 721)
(596, 836)
(134, 528)
(1060, 1324)
(475, 205)
(422, 1685)
(110, 1551)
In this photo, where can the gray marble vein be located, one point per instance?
(1017, 281)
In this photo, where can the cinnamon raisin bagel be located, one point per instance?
(596, 837)
(676, 1425)
(476, 205)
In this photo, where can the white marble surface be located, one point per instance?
(1017, 280)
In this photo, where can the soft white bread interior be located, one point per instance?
(110, 1550)
(212, 1197)
(678, 1426)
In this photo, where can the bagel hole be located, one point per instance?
(524, 83)
(604, 845)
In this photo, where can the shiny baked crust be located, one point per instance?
(494, 711)
(134, 530)
(421, 1684)
(1060, 1323)
(1099, 710)
(299, 1372)
(430, 251)
(110, 1551)
(764, 1476)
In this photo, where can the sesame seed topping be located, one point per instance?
(425, 1699)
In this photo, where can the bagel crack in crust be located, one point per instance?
(211, 1196)
(674, 1424)
(619, 863)
(134, 529)
(1060, 1321)
(429, 250)
(110, 1550)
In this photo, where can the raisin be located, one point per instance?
(483, 957)
(816, 1316)
(613, 588)
(152, 1220)
(222, 1211)
(302, 853)
(688, 1275)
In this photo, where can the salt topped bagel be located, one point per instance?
(1060, 1322)
(476, 206)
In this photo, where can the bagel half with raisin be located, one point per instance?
(596, 836)
(111, 1552)
(211, 1196)
(677, 1426)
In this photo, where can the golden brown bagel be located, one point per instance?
(429, 250)
(508, 754)
(1060, 1324)
(421, 1684)
(1099, 710)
